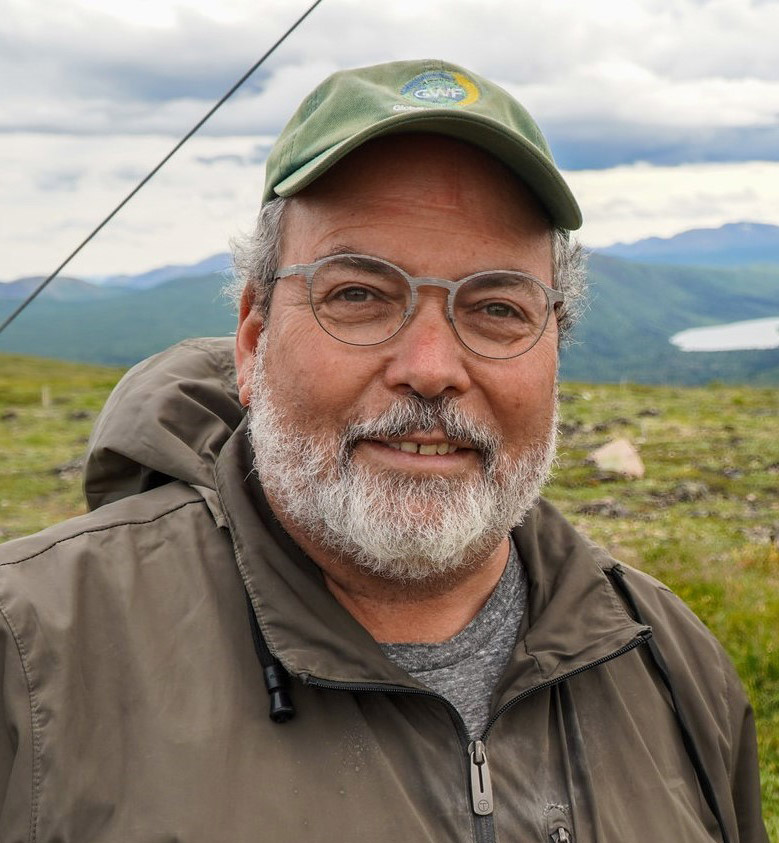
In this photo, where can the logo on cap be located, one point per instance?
(441, 87)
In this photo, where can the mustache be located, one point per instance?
(417, 414)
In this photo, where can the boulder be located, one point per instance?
(606, 507)
(618, 457)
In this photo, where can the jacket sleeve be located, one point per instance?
(744, 772)
(16, 743)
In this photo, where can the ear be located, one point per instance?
(250, 325)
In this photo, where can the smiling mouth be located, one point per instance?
(427, 449)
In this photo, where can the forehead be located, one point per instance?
(424, 196)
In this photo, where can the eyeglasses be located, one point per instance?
(362, 300)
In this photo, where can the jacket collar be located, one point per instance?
(573, 619)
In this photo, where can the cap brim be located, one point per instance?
(520, 155)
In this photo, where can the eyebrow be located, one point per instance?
(343, 249)
(492, 278)
(338, 250)
(358, 260)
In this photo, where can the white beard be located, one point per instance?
(400, 527)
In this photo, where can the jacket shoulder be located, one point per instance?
(83, 607)
(145, 508)
(668, 614)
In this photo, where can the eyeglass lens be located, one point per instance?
(364, 301)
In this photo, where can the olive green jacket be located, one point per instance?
(133, 706)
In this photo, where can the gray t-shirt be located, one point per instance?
(466, 668)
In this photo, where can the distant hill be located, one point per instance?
(123, 329)
(735, 244)
(155, 277)
(60, 289)
(636, 308)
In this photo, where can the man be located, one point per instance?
(446, 658)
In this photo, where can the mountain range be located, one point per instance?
(734, 244)
(155, 277)
(636, 306)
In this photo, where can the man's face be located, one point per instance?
(336, 424)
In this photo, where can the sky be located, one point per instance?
(663, 114)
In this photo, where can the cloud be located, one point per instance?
(581, 149)
(611, 81)
(97, 91)
(631, 202)
(225, 157)
(187, 213)
(192, 209)
(62, 181)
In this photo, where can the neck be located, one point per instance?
(410, 613)
(429, 611)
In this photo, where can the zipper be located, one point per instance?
(480, 782)
(641, 638)
(483, 827)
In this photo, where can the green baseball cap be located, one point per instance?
(354, 106)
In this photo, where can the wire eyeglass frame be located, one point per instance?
(308, 270)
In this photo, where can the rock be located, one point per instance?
(686, 492)
(733, 473)
(79, 415)
(606, 507)
(67, 470)
(605, 425)
(619, 457)
(762, 535)
(569, 428)
(689, 491)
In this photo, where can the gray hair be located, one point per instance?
(256, 260)
(256, 257)
(569, 275)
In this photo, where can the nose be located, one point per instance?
(426, 355)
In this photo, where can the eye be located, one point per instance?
(502, 310)
(357, 295)
(505, 311)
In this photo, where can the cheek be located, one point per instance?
(526, 396)
(315, 378)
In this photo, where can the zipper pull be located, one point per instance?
(481, 786)
(561, 835)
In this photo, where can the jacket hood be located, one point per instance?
(167, 419)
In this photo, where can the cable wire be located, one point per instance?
(156, 169)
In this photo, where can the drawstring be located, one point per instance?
(276, 679)
(617, 575)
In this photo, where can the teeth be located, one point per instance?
(439, 448)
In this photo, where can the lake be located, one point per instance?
(734, 336)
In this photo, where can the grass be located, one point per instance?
(704, 518)
(47, 408)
